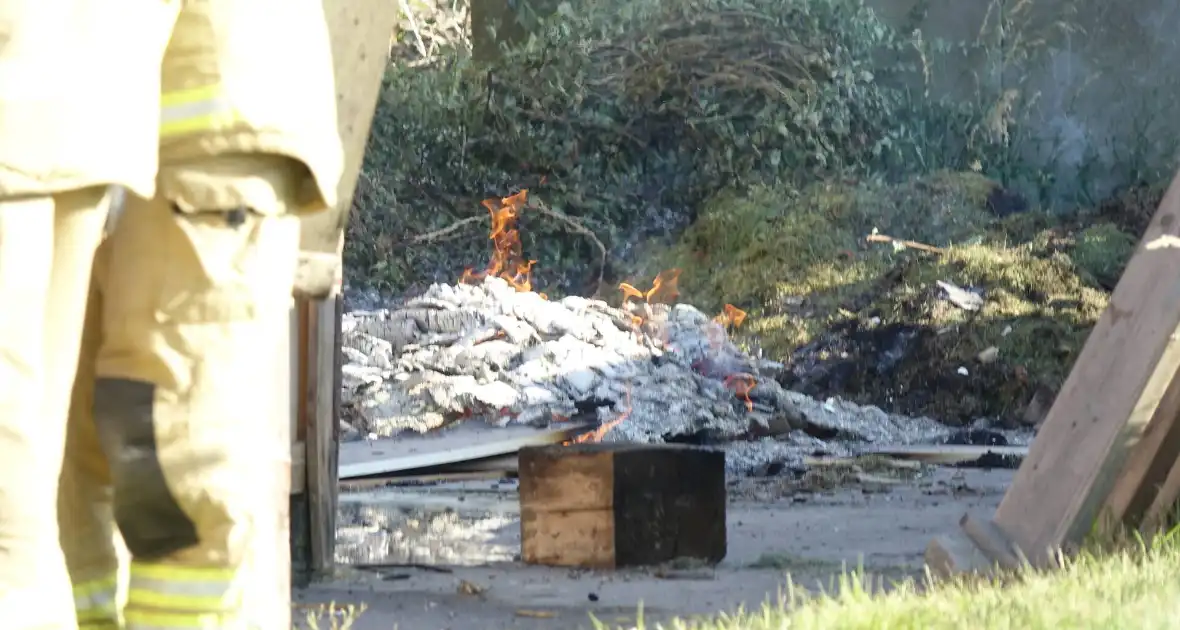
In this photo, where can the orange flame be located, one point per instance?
(732, 316)
(664, 288)
(597, 434)
(742, 385)
(507, 260)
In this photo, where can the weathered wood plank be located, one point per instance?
(1118, 387)
(1152, 459)
(617, 505)
(298, 514)
(1162, 511)
(323, 422)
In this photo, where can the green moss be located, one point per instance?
(869, 321)
(1102, 251)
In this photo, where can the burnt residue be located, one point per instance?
(908, 369)
(1003, 202)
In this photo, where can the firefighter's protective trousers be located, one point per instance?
(136, 368)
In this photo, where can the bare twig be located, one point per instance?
(881, 238)
(409, 13)
(576, 226)
(444, 233)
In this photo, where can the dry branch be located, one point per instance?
(882, 238)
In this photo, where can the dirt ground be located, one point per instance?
(811, 537)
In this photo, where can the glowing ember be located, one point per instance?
(507, 261)
(732, 316)
(742, 385)
(597, 434)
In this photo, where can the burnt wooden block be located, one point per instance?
(618, 505)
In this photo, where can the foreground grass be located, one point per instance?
(1131, 590)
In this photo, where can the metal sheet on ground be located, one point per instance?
(464, 442)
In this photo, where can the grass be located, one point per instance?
(1134, 589)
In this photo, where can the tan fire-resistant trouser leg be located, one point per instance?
(85, 515)
(196, 301)
(46, 249)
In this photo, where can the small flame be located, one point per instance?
(731, 316)
(507, 261)
(663, 290)
(596, 435)
(742, 385)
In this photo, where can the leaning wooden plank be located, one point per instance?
(471, 440)
(992, 541)
(955, 554)
(946, 453)
(1118, 386)
(616, 505)
(979, 546)
(1153, 458)
(1163, 508)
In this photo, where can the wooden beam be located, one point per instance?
(298, 510)
(1120, 384)
(617, 505)
(1151, 461)
(323, 430)
(1163, 508)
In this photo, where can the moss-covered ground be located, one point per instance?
(868, 320)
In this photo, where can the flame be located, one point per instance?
(597, 434)
(507, 260)
(742, 385)
(664, 288)
(732, 316)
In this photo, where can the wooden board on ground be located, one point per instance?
(616, 505)
(464, 442)
(1123, 381)
(945, 453)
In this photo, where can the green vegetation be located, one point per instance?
(1136, 589)
(818, 292)
(630, 115)
(756, 144)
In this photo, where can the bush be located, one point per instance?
(626, 115)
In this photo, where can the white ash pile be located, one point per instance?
(651, 373)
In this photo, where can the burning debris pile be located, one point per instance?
(649, 370)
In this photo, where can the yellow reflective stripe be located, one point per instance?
(187, 589)
(156, 620)
(97, 600)
(196, 109)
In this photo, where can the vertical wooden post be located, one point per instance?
(316, 443)
(300, 518)
(359, 32)
(323, 431)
